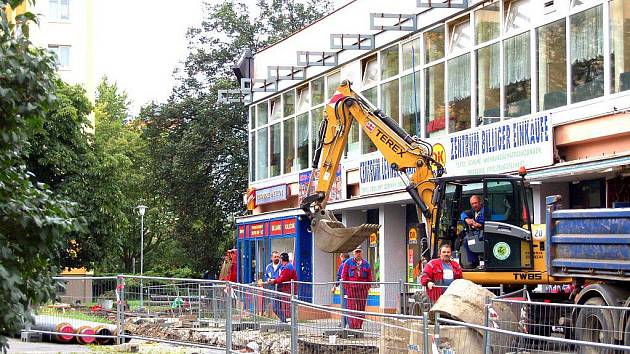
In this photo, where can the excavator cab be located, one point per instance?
(503, 242)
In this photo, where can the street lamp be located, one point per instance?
(141, 210)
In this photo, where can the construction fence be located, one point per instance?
(312, 318)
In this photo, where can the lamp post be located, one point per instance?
(141, 210)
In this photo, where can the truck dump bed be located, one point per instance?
(592, 243)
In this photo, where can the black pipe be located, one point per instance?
(393, 125)
(413, 191)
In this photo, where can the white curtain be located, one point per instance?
(587, 37)
(517, 59)
(459, 78)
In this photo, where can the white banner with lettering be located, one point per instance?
(499, 147)
(376, 175)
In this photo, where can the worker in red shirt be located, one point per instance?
(355, 271)
(281, 306)
(440, 272)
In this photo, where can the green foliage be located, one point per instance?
(33, 222)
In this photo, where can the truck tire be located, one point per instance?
(594, 325)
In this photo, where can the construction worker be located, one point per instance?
(343, 257)
(281, 306)
(356, 270)
(272, 271)
(440, 272)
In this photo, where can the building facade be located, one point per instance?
(492, 85)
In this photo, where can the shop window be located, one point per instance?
(289, 145)
(459, 93)
(434, 44)
(262, 112)
(517, 15)
(487, 23)
(587, 194)
(460, 36)
(261, 154)
(252, 156)
(289, 103)
(303, 99)
(620, 45)
(367, 146)
(410, 103)
(317, 91)
(389, 62)
(552, 65)
(276, 109)
(302, 141)
(517, 75)
(411, 54)
(488, 84)
(275, 143)
(586, 53)
(352, 145)
(332, 83)
(370, 72)
(389, 99)
(434, 100)
(316, 121)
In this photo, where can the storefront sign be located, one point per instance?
(413, 236)
(271, 194)
(336, 191)
(376, 176)
(289, 226)
(373, 239)
(500, 147)
(241, 231)
(257, 230)
(275, 228)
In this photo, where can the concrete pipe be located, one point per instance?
(103, 331)
(85, 339)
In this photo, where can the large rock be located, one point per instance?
(465, 301)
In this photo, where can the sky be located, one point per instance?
(139, 48)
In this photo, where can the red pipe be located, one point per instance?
(63, 328)
(86, 339)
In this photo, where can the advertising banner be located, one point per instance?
(289, 226)
(275, 228)
(376, 176)
(271, 194)
(336, 190)
(499, 147)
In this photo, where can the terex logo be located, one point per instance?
(389, 142)
(439, 154)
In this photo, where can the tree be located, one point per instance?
(33, 222)
(198, 147)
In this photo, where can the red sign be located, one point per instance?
(241, 232)
(257, 230)
(276, 228)
(289, 226)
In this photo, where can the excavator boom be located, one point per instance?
(403, 152)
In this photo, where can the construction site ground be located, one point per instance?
(17, 346)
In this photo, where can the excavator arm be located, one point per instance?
(402, 151)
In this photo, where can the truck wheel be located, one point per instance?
(594, 325)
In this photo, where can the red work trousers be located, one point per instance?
(357, 298)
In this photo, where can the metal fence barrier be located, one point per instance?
(310, 318)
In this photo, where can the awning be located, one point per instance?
(581, 168)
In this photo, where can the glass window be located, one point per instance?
(370, 72)
(261, 114)
(302, 141)
(63, 55)
(501, 204)
(304, 102)
(587, 59)
(434, 100)
(289, 145)
(276, 109)
(275, 141)
(517, 75)
(460, 36)
(352, 145)
(517, 15)
(552, 65)
(488, 84)
(317, 91)
(459, 93)
(389, 62)
(410, 103)
(317, 115)
(261, 154)
(620, 45)
(367, 145)
(252, 117)
(289, 103)
(487, 23)
(411, 54)
(332, 83)
(434, 44)
(252, 156)
(59, 9)
(389, 99)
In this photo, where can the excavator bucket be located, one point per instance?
(333, 236)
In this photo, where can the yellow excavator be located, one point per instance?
(511, 253)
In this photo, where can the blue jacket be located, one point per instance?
(340, 270)
(270, 273)
(471, 214)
